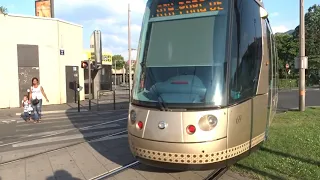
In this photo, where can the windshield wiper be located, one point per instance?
(161, 102)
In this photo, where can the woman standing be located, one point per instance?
(35, 98)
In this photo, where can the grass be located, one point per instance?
(292, 150)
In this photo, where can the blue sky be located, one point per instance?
(110, 16)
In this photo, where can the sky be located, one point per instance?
(110, 16)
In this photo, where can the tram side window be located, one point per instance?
(270, 57)
(274, 85)
(246, 50)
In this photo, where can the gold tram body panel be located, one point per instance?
(177, 122)
(230, 138)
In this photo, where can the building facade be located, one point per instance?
(46, 48)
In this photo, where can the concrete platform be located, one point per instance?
(87, 160)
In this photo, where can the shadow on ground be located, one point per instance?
(61, 174)
(262, 173)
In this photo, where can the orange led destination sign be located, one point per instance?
(187, 7)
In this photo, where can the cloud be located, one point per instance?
(109, 16)
(274, 14)
(279, 29)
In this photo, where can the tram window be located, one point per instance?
(193, 46)
(183, 63)
(246, 50)
(269, 40)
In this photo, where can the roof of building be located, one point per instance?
(43, 18)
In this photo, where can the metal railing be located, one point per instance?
(119, 98)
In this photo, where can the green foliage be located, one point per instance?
(118, 60)
(312, 33)
(287, 83)
(3, 10)
(288, 47)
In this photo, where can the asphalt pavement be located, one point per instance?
(289, 99)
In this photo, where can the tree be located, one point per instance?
(312, 34)
(287, 47)
(118, 60)
(3, 10)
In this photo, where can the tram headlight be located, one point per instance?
(208, 122)
(133, 116)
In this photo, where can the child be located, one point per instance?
(26, 108)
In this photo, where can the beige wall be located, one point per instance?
(50, 35)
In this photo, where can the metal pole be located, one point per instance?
(115, 74)
(75, 91)
(114, 100)
(129, 55)
(78, 100)
(52, 8)
(90, 96)
(302, 83)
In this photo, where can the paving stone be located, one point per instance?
(64, 166)
(86, 161)
(16, 169)
(39, 168)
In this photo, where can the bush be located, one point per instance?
(287, 83)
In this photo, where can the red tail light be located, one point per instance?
(140, 125)
(191, 129)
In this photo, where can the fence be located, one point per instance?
(119, 98)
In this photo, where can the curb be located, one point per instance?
(59, 111)
(295, 89)
(296, 108)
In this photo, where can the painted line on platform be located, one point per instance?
(9, 121)
(51, 133)
(110, 138)
(62, 131)
(10, 143)
(58, 139)
(45, 119)
(88, 127)
(59, 111)
(76, 111)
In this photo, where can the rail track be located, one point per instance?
(115, 171)
(214, 175)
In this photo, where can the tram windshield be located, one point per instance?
(181, 56)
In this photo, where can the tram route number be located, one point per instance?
(188, 7)
(238, 119)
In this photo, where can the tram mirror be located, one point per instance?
(263, 13)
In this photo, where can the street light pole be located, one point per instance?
(302, 82)
(129, 54)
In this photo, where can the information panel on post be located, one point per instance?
(96, 47)
(180, 7)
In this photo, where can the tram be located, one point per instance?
(205, 86)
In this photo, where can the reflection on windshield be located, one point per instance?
(183, 63)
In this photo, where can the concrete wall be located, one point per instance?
(50, 35)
